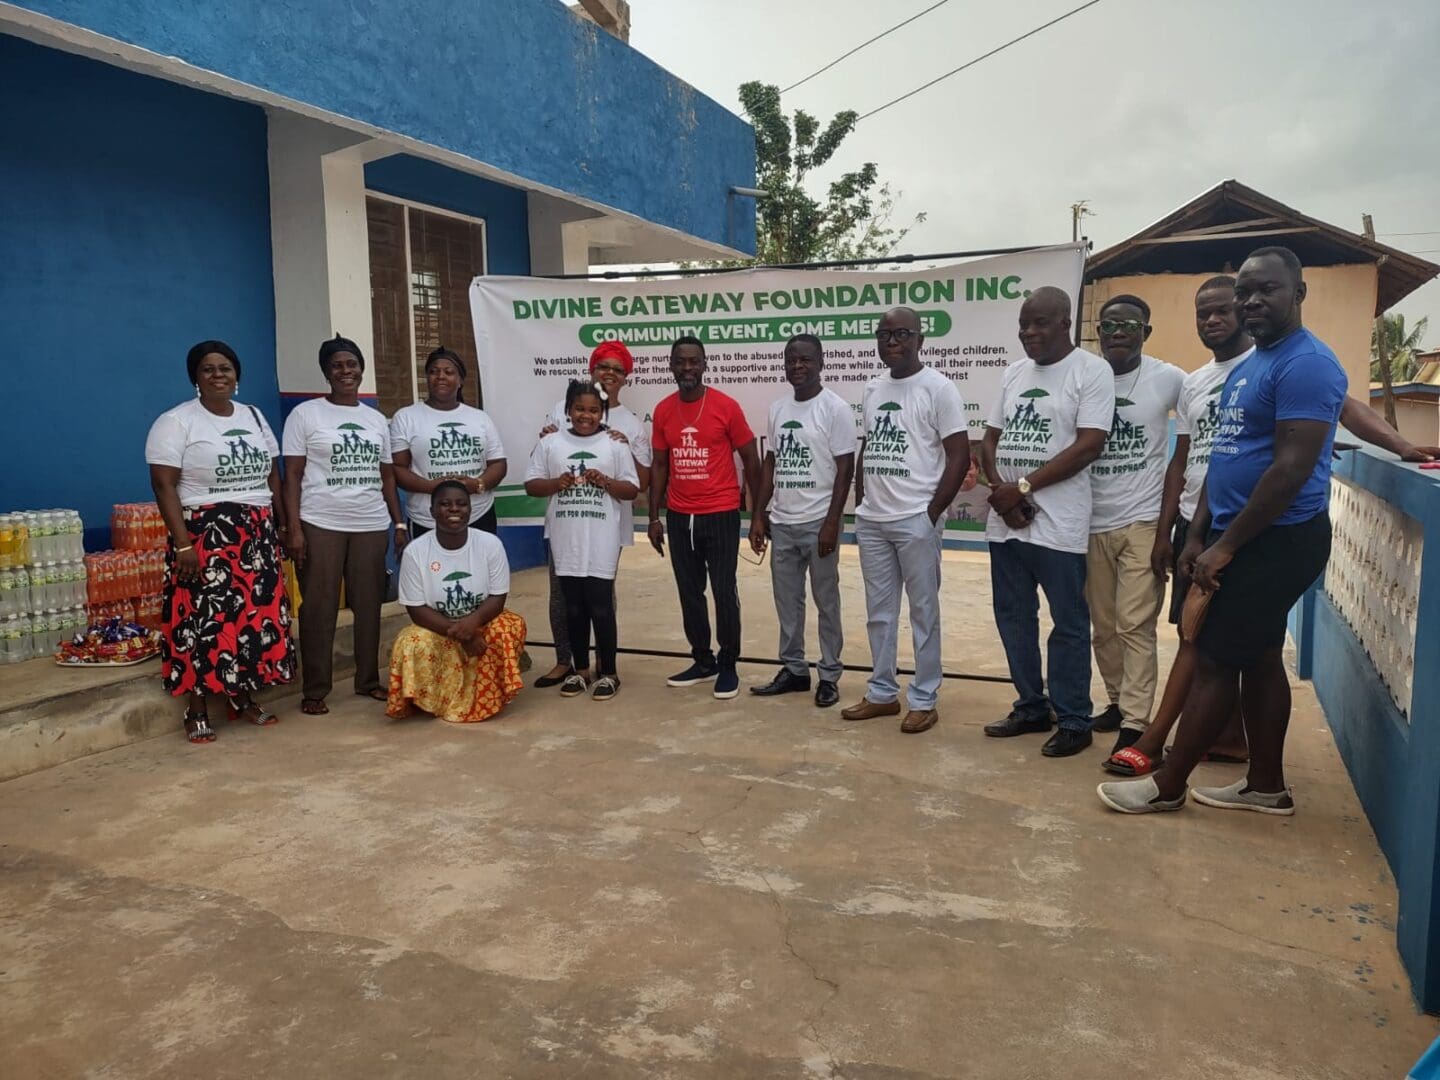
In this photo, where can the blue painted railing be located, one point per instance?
(1394, 762)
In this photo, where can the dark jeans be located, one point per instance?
(590, 602)
(1017, 571)
(486, 522)
(701, 546)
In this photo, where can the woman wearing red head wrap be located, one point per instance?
(610, 367)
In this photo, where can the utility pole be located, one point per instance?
(1078, 210)
(1382, 341)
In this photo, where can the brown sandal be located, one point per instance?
(313, 706)
(253, 712)
(374, 695)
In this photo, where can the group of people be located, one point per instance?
(1088, 505)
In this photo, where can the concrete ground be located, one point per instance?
(674, 886)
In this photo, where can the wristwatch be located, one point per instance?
(1024, 485)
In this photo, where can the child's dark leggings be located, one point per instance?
(590, 602)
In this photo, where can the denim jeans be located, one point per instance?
(1017, 571)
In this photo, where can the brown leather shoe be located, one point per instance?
(918, 720)
(866, 709)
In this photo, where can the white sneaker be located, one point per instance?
(1238, 797)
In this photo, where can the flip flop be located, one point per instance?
(1128, 762)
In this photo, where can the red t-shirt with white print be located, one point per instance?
(701, 438)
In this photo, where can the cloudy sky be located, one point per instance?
(1331, 106)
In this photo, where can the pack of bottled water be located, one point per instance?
(43, 582)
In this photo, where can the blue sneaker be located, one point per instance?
(727, 684)
(695, 673)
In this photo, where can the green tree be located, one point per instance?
(1401, 345)
(854, 219)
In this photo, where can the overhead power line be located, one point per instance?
(986, 56)
(1432, 232)
(857, 48)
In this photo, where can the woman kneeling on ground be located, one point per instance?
(460, 658)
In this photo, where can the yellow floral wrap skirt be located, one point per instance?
(432, 673)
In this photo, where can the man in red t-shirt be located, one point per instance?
(696, 434)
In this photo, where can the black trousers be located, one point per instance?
(590, 603)
(486, 522)
(701, 546)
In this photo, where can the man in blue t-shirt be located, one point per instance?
(1260, 538)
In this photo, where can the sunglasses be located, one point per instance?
(748, 553)
(902, 335)
(1130, 326)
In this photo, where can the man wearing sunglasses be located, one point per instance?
(912, 463)
(1127, 483)
(1049, 422)
(804, 481)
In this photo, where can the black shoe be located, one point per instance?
(784, 682)
(1109, 720)
(1066, 742)
(827, 694)
(1015, 724)
(1129, 736)
(693, 675)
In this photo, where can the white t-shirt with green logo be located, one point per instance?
(343, 447)
(1127, 480)
(446, 442)
(623, 419)
(582, 522)
(1038, 411)
(806, 437)
(220, 458)
(906, 421)
(1197, 414)
(454, 583)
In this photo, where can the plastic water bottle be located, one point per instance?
(24, 601)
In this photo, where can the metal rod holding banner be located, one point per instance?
(770, 661)
(839, 264)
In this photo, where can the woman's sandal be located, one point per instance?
(1128, 762)
(313, 706)
(197, 727)
(253, 712)
(378, 694)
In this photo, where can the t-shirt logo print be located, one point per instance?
(886, 438)
(581, 500)
(454, 450)
(243, 465)
(459, 601)
(793, 460)
(354, 462)
(1028, 426)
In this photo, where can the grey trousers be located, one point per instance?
(895, 554)
(793, 551)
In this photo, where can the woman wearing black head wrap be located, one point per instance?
(214, 469)
(341, 501)
(442, 438)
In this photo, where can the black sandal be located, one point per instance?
(253, 712)
(197, 727)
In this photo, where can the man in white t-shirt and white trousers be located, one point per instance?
(913, 460)
(804, 482)
(1048, 424)
(1127, 482)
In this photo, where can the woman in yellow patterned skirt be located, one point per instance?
(460, 658)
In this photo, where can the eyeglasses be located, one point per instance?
(614, 369)
(748, 554)
(902, 335)
(1130, 326)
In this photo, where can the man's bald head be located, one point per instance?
(898, 340)
(902, 316)
(1045, 325)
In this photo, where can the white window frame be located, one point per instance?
(411, 204)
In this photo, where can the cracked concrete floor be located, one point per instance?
(674, 886)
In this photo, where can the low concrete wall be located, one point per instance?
(60, 720)
(1381, 690)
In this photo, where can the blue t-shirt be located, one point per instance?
(1296, 379)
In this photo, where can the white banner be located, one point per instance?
(535, 334)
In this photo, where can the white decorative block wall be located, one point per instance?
(1374, 581)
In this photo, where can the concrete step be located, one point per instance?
(50, 715)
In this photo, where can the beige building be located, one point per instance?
(1351, 279)
(1417, 402)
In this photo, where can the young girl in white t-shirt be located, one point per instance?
(586, 476)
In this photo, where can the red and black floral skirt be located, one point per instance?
(230, 631)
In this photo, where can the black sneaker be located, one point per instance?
(574, 685)
(693, 675)
(606, 687)
(1066, 742)
(1109, 720)
(727, 684)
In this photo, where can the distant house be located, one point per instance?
(1350, 279)
(1417, 402)
(269, 174)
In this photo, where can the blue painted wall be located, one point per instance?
(136, 222)
(523, 85)
(507, 228)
